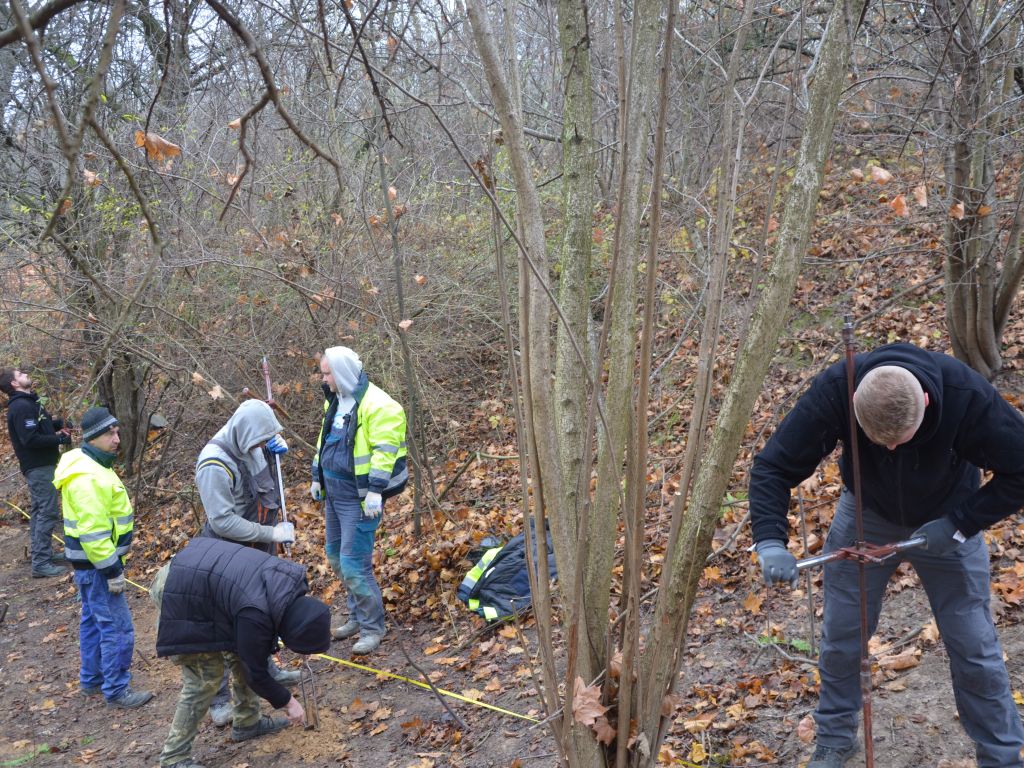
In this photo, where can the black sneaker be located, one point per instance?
(130, 699)
(829, 757)
(264, 726)
(46, 570)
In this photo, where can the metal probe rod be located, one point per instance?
(277, 459)
(865, 657)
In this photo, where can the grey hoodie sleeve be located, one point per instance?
(215, 490)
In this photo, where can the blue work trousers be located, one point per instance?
(106, 637)
(958, 588)
(350, 537)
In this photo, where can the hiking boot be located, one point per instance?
(829, 757)
(46, 570)
(90, 690)
(346, 630)
(187, 763)
(265, 725)
(130, 699)
(287, 677)
(366, 643)
(221, 714)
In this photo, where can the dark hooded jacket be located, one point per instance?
(967, 427)
(33, 432)
(221, 596)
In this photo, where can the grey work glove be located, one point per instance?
(941, 536)
(115, 586)
(374, 505)
(316, 491)
(777, 564)
(284, 533)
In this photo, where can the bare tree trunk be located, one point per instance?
(622, 318)
(684, 564)
(978, 294)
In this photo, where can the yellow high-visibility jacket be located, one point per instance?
(98, 517)
(378, 447)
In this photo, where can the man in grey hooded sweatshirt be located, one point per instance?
(359, 463)
(239, 494)
(236, 483)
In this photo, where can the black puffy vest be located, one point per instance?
(210, 581)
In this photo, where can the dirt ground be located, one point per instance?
(365, 720)
(368, 721)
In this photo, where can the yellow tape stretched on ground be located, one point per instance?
(361, 667)
(419, 684)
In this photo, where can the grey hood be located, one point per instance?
(252, 423)
(345, 366)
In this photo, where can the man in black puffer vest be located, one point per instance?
(224, 605)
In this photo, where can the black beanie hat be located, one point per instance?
(96, 421)
(306, 626)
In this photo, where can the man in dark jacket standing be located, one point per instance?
(225, 605)
(927, 426)
(36, 438)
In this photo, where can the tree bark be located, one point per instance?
(684, 565)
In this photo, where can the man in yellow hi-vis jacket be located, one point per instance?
(98, 521)
(360, 462)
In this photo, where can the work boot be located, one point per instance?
(346, 630)
(221, 714)
(46, 570)
(90, 690)
(265, 725)
(367, 643)
(187, 763)
(130, 699)
(58, 558)
(828, 757)
(287, 677)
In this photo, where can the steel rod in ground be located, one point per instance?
(865, 659)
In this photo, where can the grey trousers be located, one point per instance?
(43, 515)
(958, 587)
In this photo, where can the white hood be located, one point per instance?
(345, 366)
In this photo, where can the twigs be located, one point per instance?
(426, 678)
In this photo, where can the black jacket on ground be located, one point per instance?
(222, 596)
(33, 432)
(967, 426)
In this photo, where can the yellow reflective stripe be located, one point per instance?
(219, 463)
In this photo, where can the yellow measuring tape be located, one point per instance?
(361, 667)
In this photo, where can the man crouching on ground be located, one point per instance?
(225, 605)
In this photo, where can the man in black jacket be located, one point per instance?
(927, 426)
(225, 605)
(36, 438)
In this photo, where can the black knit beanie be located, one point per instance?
(96, 421)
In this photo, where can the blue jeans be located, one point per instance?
(106, 637)
(350, 537)
(958, 588)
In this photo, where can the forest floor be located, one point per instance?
(747, 686)
(744, 700)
